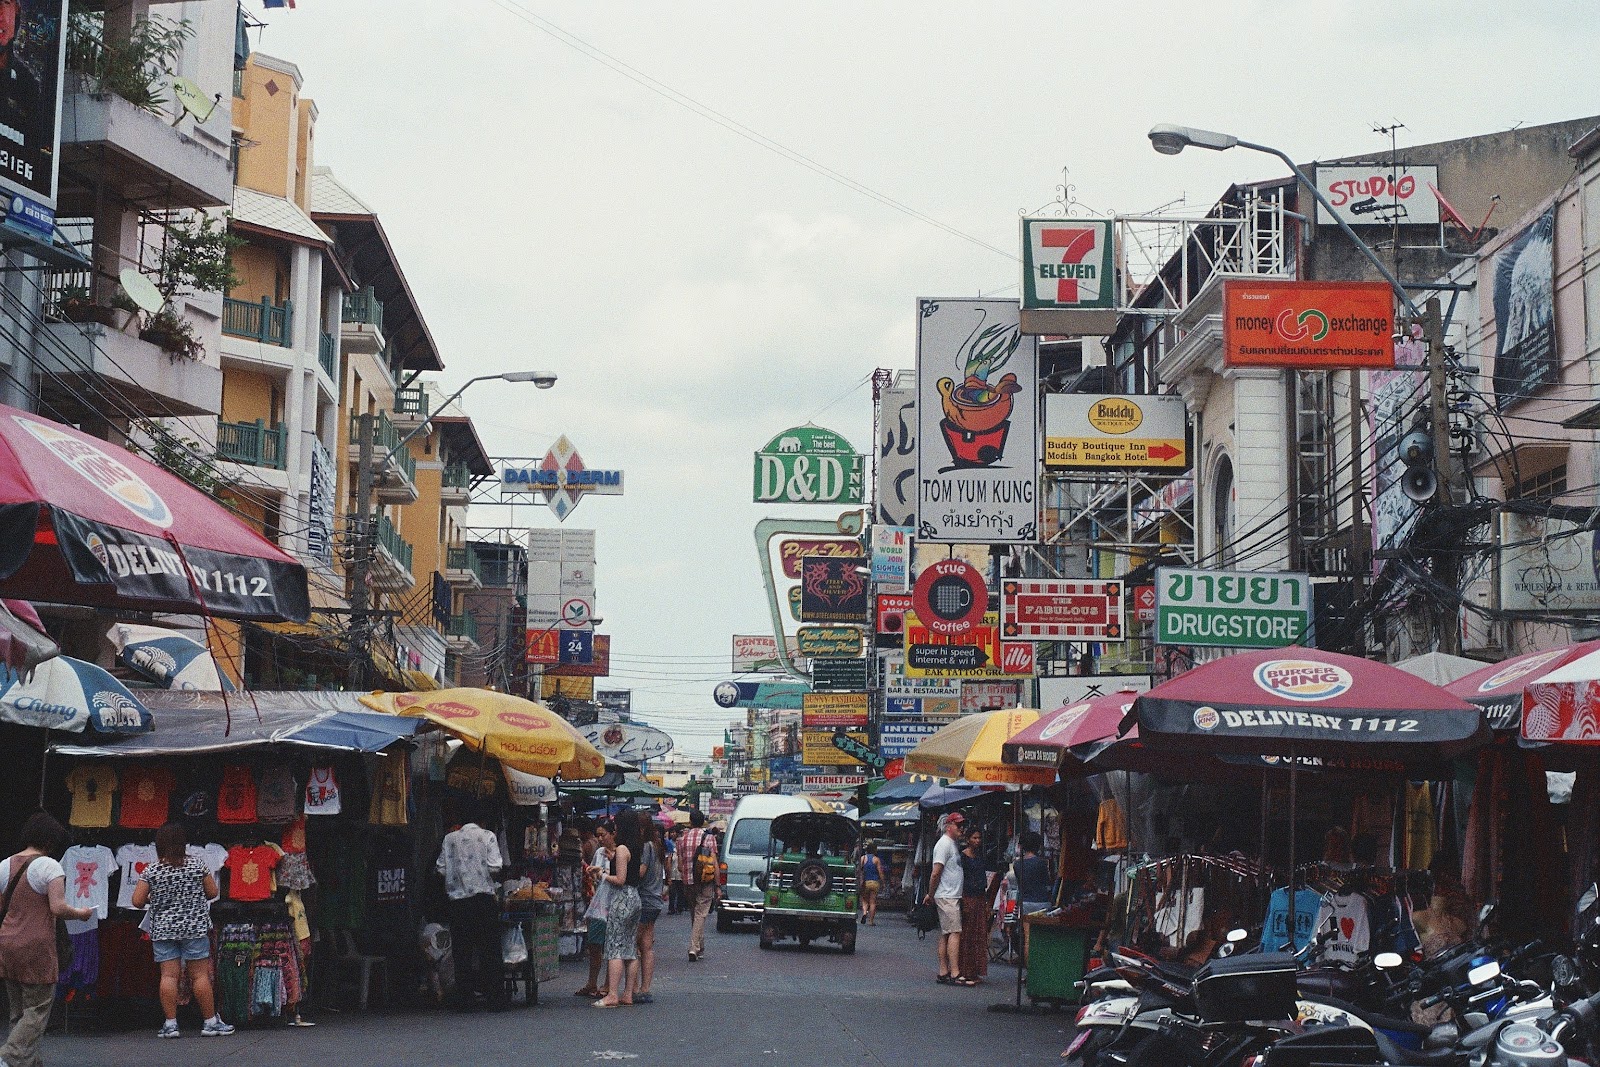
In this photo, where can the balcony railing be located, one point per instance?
(462, 626)
(363, 306)
(411, 401)
(254, 443)
(456, 476)
(390, 539)
(263, 322)
(328, 355)
(461, 558)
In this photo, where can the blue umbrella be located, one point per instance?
(69, 694)
(168, 658)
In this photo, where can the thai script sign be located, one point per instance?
(1232, 609)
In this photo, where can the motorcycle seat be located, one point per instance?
(1401, 1057)
(1378, 1022)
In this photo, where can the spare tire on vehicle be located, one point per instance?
(812, 880)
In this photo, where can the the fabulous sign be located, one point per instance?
(809, 465)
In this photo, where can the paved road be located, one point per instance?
(737, 1007)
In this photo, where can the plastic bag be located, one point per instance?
(513, 948)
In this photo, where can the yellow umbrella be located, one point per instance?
(970, 748)
(520, 734)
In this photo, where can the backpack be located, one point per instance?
(704, 868)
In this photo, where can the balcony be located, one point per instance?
(394, 470)
(328, 355)
(264, 322)
(461, 567)
(136, 153)
(87, 359)
(254, 443)
(455, 485)
(362, 322)
(391, 558)
(410, 406)
(461, 633)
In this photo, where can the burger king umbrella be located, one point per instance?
(1051, 741)
(970, 748)
(1498, 688)
(520, 734)
(85, 522)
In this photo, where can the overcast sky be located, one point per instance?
(698, 292)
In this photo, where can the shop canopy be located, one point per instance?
(193, 723)
(1498, 688)
(1306, 702)
(1051, 741)
(521, 734)
(905, 787)
(631, 786)
(908, 811)
(83, 521)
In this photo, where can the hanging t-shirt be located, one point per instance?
(390, 865)
(250, 872)
(1420, 827)
(145, 791)
(1346, 913)
(322, 792)
(275, 801)
(389, 776)
(214, 857)
(92, 787)
(88, 869)
(131, 862)
(1275, 931)
(297, 915)
(236, 798)
(1111, 827)
(294, 838)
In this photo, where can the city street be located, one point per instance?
(739, 1006)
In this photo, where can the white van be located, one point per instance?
(744, 854)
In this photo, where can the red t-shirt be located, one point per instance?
(294, 838)
(236, 800)
(144, 797)
(250, 872)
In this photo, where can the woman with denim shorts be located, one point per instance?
(178, 891)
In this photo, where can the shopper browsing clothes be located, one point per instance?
(35, 896)
(177, 892)
(470, 860)
(597, 849)
(622, 913)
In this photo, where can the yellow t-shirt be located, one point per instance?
(297, 915)
(388, 807)
(92, 787)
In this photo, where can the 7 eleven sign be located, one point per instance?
(1067, 264)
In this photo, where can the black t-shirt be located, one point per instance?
(1033, 878)
(974, 876)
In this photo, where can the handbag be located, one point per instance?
(925, 917)
(63, 939)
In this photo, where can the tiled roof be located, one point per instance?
(276, 214)
(330, 196)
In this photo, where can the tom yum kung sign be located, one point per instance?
(809, 465)
(1232, 609)
(1307, 325)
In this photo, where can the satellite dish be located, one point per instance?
(141, 290)
(192, 98)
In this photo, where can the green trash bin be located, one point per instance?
(1057, 953)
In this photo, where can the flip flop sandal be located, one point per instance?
(965, 981)
(945, 979)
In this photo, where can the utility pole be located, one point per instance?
(363, 543)
(1446, 564)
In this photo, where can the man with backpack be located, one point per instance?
(698, 864)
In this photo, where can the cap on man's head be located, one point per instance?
(955, 818)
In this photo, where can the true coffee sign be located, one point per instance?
(809, 465)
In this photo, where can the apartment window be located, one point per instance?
(1546, 485)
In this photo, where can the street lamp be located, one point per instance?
(1169, 140)
(540, 379)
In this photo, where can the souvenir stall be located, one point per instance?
(301, 811)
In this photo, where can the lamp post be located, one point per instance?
(366, 527)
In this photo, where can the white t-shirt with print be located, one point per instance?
(88, 869)
(947, 853)
(214, 856)
(41, 872)
(132, 859)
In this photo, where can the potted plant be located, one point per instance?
(124, 313)
(174, 334)
(72, 303)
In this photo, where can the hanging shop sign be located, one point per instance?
(891, 616)
(1307, 325)
(792, 551)
(1064, 692)
(758, 653)
(1142, 601)
(978, 654)
(891, 555)
(783, 695)
(823, 711)
(1069, 284)
(1523, 274)
(860, 752)
(834, 642)
(896, 503)
(817, 748)
(897, 739)
(1549, 566)
(321, 497)
(950, 597)
(1088, 431)
(562, 478)
(1039, 609)
(833, 589)
(1232, 609)
(978, 426)
(898, 685)
(628, 742)
(809, 465)
(1378, 194)
(838, 675)
(814, 783)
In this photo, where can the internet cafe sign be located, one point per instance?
(1307, 325)
(809, 465)
(1232, 609)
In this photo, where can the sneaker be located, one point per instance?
(169, 1030)
(215, 1028)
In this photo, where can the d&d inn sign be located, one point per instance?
(809, 465)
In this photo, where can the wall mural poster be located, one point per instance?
(1524, 312)
(897, 457)
(978, 424)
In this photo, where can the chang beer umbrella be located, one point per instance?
(520, 734)
(69, 694)
(168, 658)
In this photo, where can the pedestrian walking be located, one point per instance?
(470, 860)
(598, 854)
(626, 874)
(35, 888)
(870, 876)
(652, 901)
(698, 860)
(674, 873)
(176, 891)
(944, 893)
(976, 898)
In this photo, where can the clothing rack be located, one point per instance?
(1163, 892)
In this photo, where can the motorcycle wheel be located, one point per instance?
(1161, 1050)
(1088, 1053)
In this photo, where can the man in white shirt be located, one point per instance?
(944, 893)
(470, 860)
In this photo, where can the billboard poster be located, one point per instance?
(833, 589)
(1548, 565)
(897, 457)
(1307, 325)
(977, 424)
(891, 555)
(1524, 311)
(34, 43)
(1089, 431)
(818, 750)
(826, 710)
(1379, 194)
(989, 696)
(1399, 396)
(1064, 692)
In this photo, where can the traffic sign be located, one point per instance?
(950, 597)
